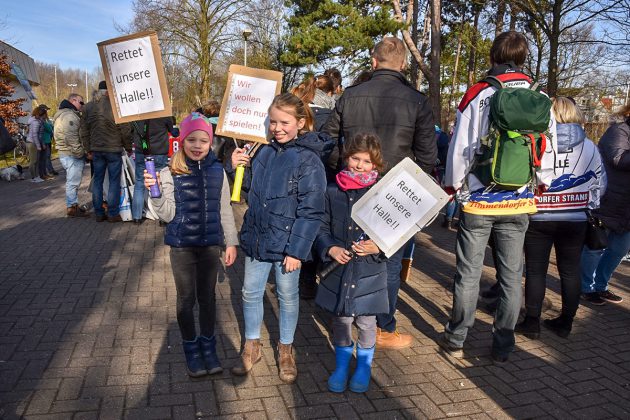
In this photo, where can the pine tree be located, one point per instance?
(341, 29)
(10, 109)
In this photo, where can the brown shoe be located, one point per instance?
(75, 211)
(393, 340)
(115, 219)
(288, 370)
(252, 353)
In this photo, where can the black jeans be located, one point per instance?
(195, 270)
(568, 239)
(41, 161)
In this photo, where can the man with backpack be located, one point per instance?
(501, 152)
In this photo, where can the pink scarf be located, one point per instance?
(348, 180)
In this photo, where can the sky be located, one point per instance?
(62, 32)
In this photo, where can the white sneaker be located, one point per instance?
(37, 179)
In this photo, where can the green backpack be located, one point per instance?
(511, 152)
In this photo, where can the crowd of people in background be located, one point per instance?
(328, 146)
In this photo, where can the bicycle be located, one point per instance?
(20, 153)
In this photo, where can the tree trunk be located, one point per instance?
(415, 68)
(472, 58)
(513, 16)
(498, 26)
(436, 53)
(455, 70)
(413, 48)
(554, 42)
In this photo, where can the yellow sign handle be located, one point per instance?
(238, 183)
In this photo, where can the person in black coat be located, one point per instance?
(614, 211)
(357, 290)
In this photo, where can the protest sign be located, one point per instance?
(135, 77)
(398, 206)
(248, 94)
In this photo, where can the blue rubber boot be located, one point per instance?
(194, 358)
(339, 378)
(209, 352)
(360, 381)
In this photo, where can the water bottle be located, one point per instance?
(149, 163)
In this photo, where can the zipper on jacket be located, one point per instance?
(205, 203)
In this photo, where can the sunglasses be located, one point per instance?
(82, 103)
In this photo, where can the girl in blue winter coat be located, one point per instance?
(195, 202)
(286, 207)
(356, 291)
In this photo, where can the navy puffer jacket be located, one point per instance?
(285, 198)
(360, 286)
(197, 220)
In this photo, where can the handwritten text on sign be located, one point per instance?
(395, 210)
(248, 103)
(132, 69)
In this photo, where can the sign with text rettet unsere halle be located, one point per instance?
(398, 206)
(135, 77)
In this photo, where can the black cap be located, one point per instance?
(44, 107)
(102, 85)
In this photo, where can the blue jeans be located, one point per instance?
(137, 203)
(598, 266)
(256, 274)
(112, 162)
(387, 322)
(451, 208)
(472, 239)
(74, 173)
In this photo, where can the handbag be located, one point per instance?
(596, 235)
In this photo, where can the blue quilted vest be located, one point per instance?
(197, 220)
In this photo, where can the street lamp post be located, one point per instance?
(72, 86)
(246, 34)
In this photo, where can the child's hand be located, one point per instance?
(291, 264)
(364, 248)
(230, 255)
(240, 158)
(149, 180)
(339, 254)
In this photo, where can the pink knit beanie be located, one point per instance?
(193, 122)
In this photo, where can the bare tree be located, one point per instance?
(194, 33)
(560, 16)
(418, 52)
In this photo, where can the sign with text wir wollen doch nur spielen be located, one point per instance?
(248, 94)
(398, 206)
(135, 77)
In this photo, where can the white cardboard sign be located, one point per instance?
(398, 206)
(135, 77)
(133, 73)
(246, 101)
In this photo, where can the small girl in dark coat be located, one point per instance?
(357, 291)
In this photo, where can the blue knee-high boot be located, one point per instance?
(209, 352)
(339, 378)
(194, 358)
(360, 381)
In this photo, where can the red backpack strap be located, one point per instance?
(537, 156)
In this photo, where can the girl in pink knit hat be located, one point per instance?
(195, 201)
